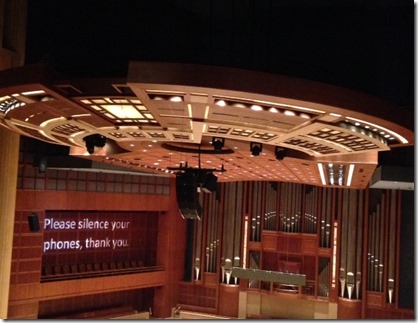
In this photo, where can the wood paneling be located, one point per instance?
(349, 309)
(269, 241)
(390, 313)
(228, 300)
(197, 295)
(9, 143)
(23, 310)
(309, 245)
(69, 288)
(65, 200)
(375, 299)
(96, 306)
(210, 279)
(322, 252)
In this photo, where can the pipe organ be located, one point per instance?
(382, 243)
(345, 241)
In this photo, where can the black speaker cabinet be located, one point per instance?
(33, 222)
(209, 185)
(188, 196)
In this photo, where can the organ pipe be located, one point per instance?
(382, 231)
(359, 250)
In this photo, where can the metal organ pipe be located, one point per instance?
(391, 241)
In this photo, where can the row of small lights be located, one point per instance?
(382, 134)
(223, 103)
(256, 107)
(11, 104)
(386, 133)
(172, 98)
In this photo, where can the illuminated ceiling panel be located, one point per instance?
(120, 110)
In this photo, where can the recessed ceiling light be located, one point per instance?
(289, 113)
(176, 99)
(239, 105)
(256, 107)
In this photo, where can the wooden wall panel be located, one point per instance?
(309, 245)
(389, 313)
(171, 248)
(196, 295)
(228, 300)
(9, 143)
(349, 309)
(322, 252)
(62, 200)
(87, 286)
(27, 278)
(23, 310)
(210, 279)
(269, 242)
(254, 245)
(281, 306)
(269, 261)
(375, 299)
(114, 304)
(27, 252)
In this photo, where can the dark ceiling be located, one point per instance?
(363, 45)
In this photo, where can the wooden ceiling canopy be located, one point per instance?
(165, 115)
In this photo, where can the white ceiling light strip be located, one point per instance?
(321, 173)
(401, 139)
(350, 174)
